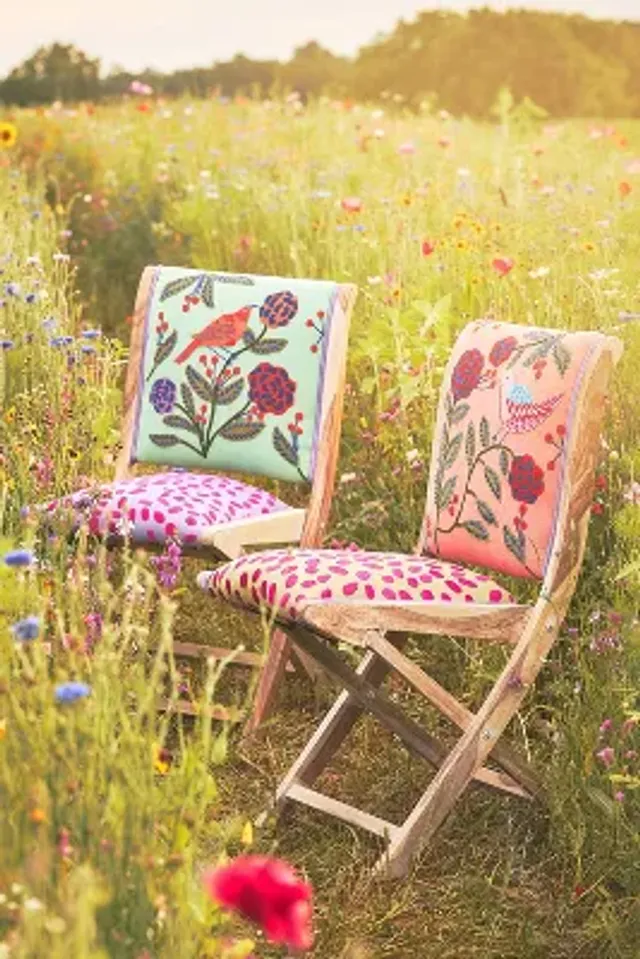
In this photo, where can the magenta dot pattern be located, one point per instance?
(286, 580)
(172, 505)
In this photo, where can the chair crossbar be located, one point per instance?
(334, 807)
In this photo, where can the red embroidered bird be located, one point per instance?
(225, 330)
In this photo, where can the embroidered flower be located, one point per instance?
(502, 350)
(163, 395)
(271, 389)
(466, 374)
(526, 479)
(279, 309)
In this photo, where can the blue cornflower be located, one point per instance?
(56, 341)
(12, 289)
(70, 692)
(49, 323)
(86, 348)
(18, 557)
(92, 334)
(31, 298)
(6, 344)
(26, 629)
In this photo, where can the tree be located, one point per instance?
(57, 72)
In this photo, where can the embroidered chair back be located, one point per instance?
(504, 442)
(235, 372)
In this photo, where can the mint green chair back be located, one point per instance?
(235, 372)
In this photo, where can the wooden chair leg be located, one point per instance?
(269, 681)
(334, 728)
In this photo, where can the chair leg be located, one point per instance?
(335, 727)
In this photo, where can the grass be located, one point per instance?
(95, 195)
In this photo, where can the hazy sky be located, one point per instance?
(168, 34)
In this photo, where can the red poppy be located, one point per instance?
(427, 247)
(352, 204)
(502, 265)
(269, 893)
(624, 188)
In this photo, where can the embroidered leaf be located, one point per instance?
(562, 357)
(233, 279)
(201, 386)
(476, 529)
(486, 512)
(174, 287)
(540, 351)
(284, 447)
(165, 349)
(445, 493)
(470, 443)
(164, 439)
(180, 423)
(459, 413)
(187, 400)
(229, 392)
(238, 430)
(453, 448)
(493, 481)
(449, 406)
(248, 337)
(514, 543)
(485, 432)
(504, 462)
(268, 346)
(206, 292)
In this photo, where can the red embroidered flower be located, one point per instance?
(526, 479)
(271, 389)
(466, 374)
(279, 309)
(268, 892)
(502, 350)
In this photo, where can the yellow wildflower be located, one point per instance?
(8, 134)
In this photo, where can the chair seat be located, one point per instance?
(287, 580)
(175, 504)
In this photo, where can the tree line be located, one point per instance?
(567, 64)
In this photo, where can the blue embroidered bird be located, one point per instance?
(521, 413)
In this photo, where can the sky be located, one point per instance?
(169, 34)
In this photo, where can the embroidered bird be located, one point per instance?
(225, 330)
(523, 414)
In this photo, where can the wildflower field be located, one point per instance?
(112, 810)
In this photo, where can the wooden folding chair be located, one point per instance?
(510, 490)
(228, 373)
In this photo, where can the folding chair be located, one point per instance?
(510, 490)
(229, 373)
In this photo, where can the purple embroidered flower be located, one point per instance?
(279, 309)
(466, 374)
(163, 395)
(271, 389)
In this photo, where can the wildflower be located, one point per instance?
(407, 149)
(26, 629)
(38, 815)
(18, 557)
(427, 247)
(538, 273)
(8, 135)
(606, 725)
(624, 188)
(502, 265)
(351, 204)
(619, 796)
(268, 892)
(70, 692)
(64, 845)
(607, 756)
(161, 759)
(6, 344)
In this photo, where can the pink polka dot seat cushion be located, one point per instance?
(176, 504)
(285, 581)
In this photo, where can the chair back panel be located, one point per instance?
(230, 370)
(505, 420)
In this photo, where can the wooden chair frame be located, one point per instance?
(305, 527)
(381, 630)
